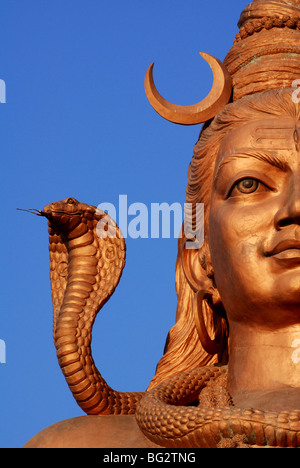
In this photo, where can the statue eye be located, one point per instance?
(71, 201)
(247, 185)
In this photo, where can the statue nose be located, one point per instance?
(289, 213)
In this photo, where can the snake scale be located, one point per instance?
(87, 256)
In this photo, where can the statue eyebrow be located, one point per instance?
(266, 157)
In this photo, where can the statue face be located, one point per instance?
(254, 223)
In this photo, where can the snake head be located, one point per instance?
(68, 214)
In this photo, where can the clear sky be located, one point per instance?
(76, 122)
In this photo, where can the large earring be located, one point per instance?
(218, 344)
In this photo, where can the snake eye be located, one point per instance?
(71, 201)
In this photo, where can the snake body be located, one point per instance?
(165, 419)
(85, 269)
(86, 263)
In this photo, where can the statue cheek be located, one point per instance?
(236, 240)
(233, 222)
(226, 228)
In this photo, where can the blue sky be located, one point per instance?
(76, 122)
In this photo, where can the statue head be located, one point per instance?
(254, 214)
(245, 171)
(249, 189)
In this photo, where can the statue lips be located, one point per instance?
(286, 250)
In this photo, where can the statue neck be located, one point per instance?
(264, 367)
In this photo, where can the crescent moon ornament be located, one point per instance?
(202, 111)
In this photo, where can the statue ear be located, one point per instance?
(199, 272)
(194, 271)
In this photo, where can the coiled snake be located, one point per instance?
(87, 256)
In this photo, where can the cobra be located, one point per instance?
(85, 268)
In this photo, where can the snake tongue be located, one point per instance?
(33, 211)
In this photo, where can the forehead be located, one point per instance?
(268, 134)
